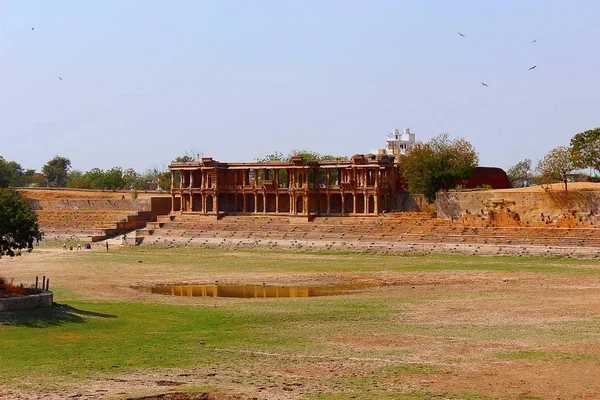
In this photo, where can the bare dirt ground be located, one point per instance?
(475, 301)
(46, 194)
(555, 187)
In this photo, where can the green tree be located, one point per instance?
(132, 180)
(75, 180)
(11, 174)
(18, 224)
(556, 166)
(520, 173)
(585, 147)
(56, 171)
(437, 164)
(94, 178)
(113, 179)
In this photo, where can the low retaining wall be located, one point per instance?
(531, 208)
(42, 299)
(412, 203)
(91, 205)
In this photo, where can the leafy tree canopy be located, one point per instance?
(437, 164)
(18, 224)
(12, 174)
(306, 154)
(556, 166)
(585, 147)
(520, 173)
(56, 171)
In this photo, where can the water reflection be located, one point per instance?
(250, 291)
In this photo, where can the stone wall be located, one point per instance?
(412, 203)
(572, 208)
(91, 205)
(43, 299)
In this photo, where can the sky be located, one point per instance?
(146, 81)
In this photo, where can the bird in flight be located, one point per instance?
(60, 78)
(532, 67)
(533, 41)
(484, 84)
(33, 28)
(461, 34)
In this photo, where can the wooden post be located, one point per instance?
(36, 281)
(43, 282)
(48, 284)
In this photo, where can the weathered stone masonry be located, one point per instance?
(362, 186)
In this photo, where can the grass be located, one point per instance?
(532, 355)
(210, 259)
(78, 340)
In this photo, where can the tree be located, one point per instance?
(56, 171)
(18, 224)
(437, 164)
(556, 165)
(11, 174)
(113, 179)
(520, 173)
(133, 180)
(75, 180)
(585, 147)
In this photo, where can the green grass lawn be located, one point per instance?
(78, 340)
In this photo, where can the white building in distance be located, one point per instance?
(399, 143)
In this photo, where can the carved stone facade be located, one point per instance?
(362, 186)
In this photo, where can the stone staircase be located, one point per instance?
(89, 225)
(385, 231)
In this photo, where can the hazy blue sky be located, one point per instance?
(145, 81)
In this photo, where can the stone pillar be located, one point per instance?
(376, 206)
(353, 203)
(343, 201)
(191, 194)
(255, 203)
(276, 199)
(328, 183)
(366, 201)
(216, 203)
(306, 204)
(328, 199)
